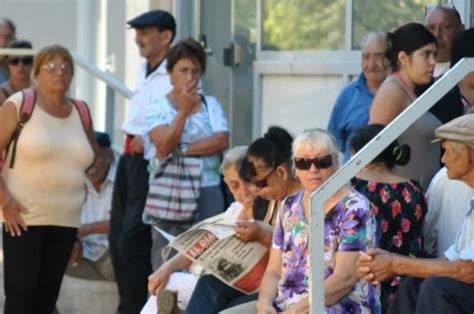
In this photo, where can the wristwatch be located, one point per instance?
(184, 149)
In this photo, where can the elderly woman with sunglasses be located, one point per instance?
(19, 68)
(349, 228)
(267, 168)
(41, 195)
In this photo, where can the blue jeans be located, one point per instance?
(212, 296)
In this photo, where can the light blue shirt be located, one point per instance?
(350, 113)
(208, 121)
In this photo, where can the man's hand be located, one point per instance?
(189, 96)
(375, 266)
(136, 145)
(13, 221)
(76, 255)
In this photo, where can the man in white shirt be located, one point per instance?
(129, 238)
(90, 258)
(446, 200)
(443, 285)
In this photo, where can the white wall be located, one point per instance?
(298, 102)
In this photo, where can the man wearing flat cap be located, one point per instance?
(130, 239)
(446, 284)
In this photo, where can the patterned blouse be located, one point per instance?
(200, 125)
(349, 227)
(400, 209)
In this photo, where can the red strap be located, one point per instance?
(84, 113)
(28, 104)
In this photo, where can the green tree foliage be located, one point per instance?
(320, 24)
(303, 24)
(384, 15)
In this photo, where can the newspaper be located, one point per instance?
(212, 245)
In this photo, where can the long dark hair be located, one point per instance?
(274, 149)
(407, 38)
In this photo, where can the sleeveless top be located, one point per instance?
(425, 156)
(49, 174)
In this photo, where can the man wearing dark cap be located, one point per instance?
(130, 239)
(446, 284)
(90, 258)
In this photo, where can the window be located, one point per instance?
(303, 24)
(321, 24)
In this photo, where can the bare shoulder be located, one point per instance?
(389, 101)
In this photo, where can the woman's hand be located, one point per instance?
(13, 221)
(189, 97)
(159, 279)
(265, 308)
(248, 231)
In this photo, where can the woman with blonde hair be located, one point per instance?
(42, 192)
(349, 227)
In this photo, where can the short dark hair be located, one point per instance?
(463, 46)
(20, 44)
(393, 154)
(407, 38)
(186, 48)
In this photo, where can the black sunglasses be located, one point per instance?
(24, 60)
(263, 183)
(322, 162)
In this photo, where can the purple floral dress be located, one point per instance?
(349, 227)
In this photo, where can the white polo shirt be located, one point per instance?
(463, 247)
(97, 208)
(148, 89)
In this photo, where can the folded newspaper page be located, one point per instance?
(212, 245)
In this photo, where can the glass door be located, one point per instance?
(227, 30)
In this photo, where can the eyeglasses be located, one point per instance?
(263, 183)
(321, 162)
(17, 60)
(53, 67)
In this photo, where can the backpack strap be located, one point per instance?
(84, 113)
(26, 109)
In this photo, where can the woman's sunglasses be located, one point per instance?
(17, 60)
(263, 183)
(322, 162)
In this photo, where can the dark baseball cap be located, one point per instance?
(102, 139)
(159, 18)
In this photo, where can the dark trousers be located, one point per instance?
(34, 264)
(211, 296)
(129, 238)
(433, 295)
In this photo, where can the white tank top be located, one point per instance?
(48, 177)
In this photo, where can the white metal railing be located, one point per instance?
(113, 85)
(393, 130)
